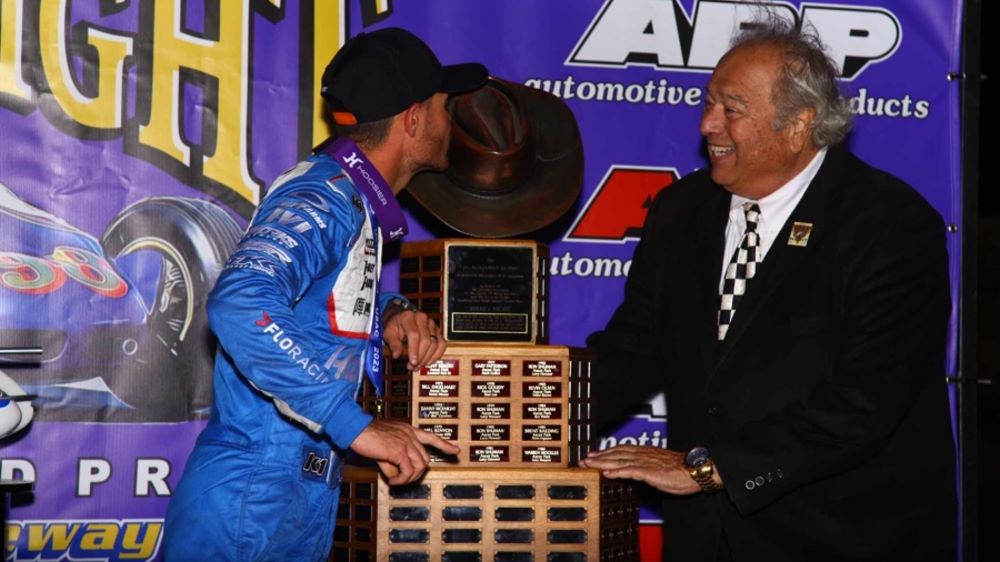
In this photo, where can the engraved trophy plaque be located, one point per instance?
(479, 290)
(502, 405)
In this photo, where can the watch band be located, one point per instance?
(406, 304)
(702, 475)
(401, 305)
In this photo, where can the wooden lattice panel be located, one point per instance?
(503, 405)
(493, 291)
(498, 515)
(355, 533)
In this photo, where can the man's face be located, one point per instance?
(747, 155)
(436, 135)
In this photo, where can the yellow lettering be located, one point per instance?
(11, 18)
(328, 35)
(103, 111)
(100, 536)
(13, 535)
(226, 60)
(140, 547)
(55, 536)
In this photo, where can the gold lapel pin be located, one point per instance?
(800, 234)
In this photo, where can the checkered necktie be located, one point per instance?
(740, 270)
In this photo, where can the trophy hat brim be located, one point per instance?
(515, 162)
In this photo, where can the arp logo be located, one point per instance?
(617, 209)
(659, 33)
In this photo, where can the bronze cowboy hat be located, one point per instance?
(516, 162)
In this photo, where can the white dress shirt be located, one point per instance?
(774, 212)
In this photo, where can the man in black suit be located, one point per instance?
(791, 302)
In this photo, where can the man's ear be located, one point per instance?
(799, 129)
(412, 118)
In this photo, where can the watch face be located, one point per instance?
(697, 457)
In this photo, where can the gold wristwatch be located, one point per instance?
(699, 465)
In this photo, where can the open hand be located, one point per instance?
(661, 468)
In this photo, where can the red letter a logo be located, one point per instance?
(618, 207)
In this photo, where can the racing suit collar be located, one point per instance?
(371, 184)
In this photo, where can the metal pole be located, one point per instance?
(968, 378)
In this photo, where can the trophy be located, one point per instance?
(518, 408)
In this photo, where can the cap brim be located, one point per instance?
(463, 77)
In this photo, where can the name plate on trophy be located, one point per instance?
(439, 388)
(541, 455)
(438, 410)
(542, 433)
(491, 411)
(490, 389)
(490, 368)
(542, 411)
(491, 433)
(489, 454)
(479, 290)
(444, 431)
(542, 390)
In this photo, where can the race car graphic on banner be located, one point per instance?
(126, 337)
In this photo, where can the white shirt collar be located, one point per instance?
(778, 206)
(781, 202)
(774, 212)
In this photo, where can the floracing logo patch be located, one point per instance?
(287, 344)
(659, 33)
(617, 209)
(265, 320)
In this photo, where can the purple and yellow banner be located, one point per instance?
(136, 137)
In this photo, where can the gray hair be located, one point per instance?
(808, 79)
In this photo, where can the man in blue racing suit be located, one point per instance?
(300, 319)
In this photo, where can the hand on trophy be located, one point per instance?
(415, 334)
(662, 469)
(399, 450)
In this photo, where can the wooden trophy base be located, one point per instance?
(487, 515)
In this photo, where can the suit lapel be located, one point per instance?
(707, 248)
(783, 258)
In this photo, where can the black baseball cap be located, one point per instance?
(379, 74)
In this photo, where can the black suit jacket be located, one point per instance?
(825, 409)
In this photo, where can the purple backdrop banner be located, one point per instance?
(136, 137)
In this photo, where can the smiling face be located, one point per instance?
(748, 156)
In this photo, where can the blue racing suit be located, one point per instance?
(292, 311)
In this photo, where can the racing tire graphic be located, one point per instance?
(169, 377)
